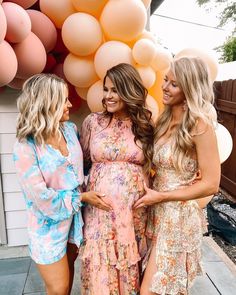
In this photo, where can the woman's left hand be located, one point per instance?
(151, 197)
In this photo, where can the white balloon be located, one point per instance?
(224, 141)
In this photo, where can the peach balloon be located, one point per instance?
(147, 74)
(95, 96)
(93, 7)
(56, 10)
(82, 34)
(144, 52)
(43, 28)
(144, 35)
(80, 71)
(207, 56)
(82, 92)
(224, 141)
(146, 3)
(111, 54)
(31, 56)
(162, 59)
(18, 22)
(153, 107)
(16, 83)
(8, 62)
(123, 20)
(3, 24)
(24, 3)
(156, 90)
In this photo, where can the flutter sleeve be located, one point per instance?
(46, 202)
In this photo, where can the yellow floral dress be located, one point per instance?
(177, 227)
(114, 241)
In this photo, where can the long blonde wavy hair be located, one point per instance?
(192, 77)
(130, 88)
(40, 107)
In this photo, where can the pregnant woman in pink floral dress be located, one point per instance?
(118, 142)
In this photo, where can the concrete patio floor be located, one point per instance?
(20, 276)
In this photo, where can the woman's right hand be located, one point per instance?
(96, 199)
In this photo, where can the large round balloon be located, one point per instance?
(111, 54)
(144, 52)
(24, 3)
(207, 56)
(162, 59)
(156, 90)
(147, 74)
(82, 33)
(56, 10)
(8, 62)
(95, 96)
(43, 28)
(3, 24)
(224, 141)
(123, 20)
(31, 56)
(18, 22)
(80, 71)
(93, 7)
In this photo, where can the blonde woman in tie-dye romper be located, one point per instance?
(185, 143)
(49, 164)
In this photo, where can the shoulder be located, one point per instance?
(93, 118)
(200, 127)
(25, 147)
(70, 125)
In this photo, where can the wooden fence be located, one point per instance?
(225, 92)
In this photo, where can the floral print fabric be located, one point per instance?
(50, 182)
(177, 227)
(114, 241)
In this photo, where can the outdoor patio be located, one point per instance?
(20, 276)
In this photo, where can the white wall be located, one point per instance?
(12, 198)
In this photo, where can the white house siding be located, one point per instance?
(12, 198)
(12, 205)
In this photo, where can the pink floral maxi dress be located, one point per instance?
(115, 240)
(177, 227)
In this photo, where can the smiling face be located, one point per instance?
(172, 94)
(114, 104)
(66, 111)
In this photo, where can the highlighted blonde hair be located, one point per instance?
(41, 106)
(192, 77)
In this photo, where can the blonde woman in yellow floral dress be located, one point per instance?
(119, 143)
(185, 143)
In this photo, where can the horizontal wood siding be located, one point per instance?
(12, 198)
(225, 92)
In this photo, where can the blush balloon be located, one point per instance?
(3, 24)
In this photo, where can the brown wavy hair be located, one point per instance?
(131, 90)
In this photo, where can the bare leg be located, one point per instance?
(72, 253)
(149, 272)
(56, 277)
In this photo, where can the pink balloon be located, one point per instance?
(8, 63)
(16, 83)
(18, 22)
(31, 56)
(95, 96)
(24, 3)
(43, 28)
(3, 24)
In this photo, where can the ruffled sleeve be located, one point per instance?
(56, 205)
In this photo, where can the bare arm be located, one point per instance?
(209, 165)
